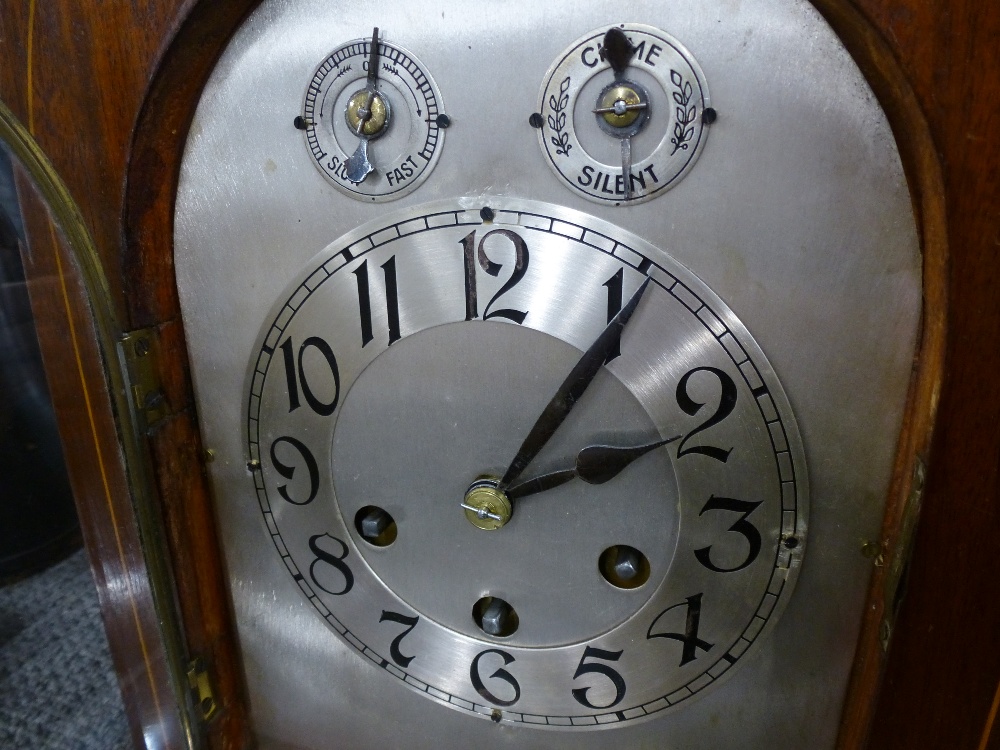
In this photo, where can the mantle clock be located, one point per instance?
(444, 374)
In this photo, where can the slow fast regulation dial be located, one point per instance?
(525, 463)
(373, 120)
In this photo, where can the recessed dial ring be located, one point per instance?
(404, 130)
(669, 567)
(581, 138)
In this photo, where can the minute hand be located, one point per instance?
(571, 390)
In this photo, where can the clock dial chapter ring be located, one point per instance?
(378, 337)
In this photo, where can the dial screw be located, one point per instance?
(536, 120)
(375, 525)
(624, 567)
(495, 617)
(627, 563)
(443, 121)
(620, 106)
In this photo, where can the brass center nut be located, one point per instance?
(617, 99)
(376, 112)
(485, 506)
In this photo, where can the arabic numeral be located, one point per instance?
(727, 402)
(321, 569)
(742, 527)
(596, 667)
(411, 623)
(295, 374)
(391, 301)
(689, 639)
(472, 257)
(500, 674)
(614, 285)
(288, 470)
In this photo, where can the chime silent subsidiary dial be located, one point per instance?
(623, 114)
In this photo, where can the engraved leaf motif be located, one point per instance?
(675, 77)
(690, 115)
(678, 98)
(687, 91)
(557, 120)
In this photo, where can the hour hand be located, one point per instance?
(595, 464)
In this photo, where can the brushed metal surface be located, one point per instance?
(413, 419)
(406, 152)
(796, 214)
(586, 155)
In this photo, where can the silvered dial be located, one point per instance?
(623, 114)
(395, 380)
(373, 120)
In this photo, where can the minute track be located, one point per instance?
(401, 238)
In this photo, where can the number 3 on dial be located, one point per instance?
(716, 515)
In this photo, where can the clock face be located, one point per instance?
(408, 361)
(393, 284)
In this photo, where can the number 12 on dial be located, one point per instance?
(363, 436)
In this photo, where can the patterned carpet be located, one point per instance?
(58, 690)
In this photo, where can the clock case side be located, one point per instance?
(75, 79)
(156, 153)
(890, 553)
(152, 303)
(71, 302)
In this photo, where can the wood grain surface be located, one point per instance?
(107, 89)
(944, 665)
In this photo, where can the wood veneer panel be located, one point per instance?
(96, 467)
(944, 663)
(76, 75)
(151, 297)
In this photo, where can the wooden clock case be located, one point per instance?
(96, 101)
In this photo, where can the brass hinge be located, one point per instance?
(895, 577)
(140, 350)
(201, 687)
